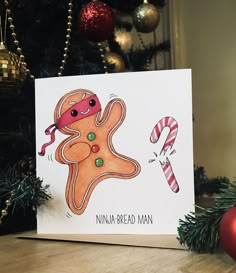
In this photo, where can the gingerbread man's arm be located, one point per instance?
(71, 151)
(113, 115)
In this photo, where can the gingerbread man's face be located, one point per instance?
(74, 107)
(89, 151)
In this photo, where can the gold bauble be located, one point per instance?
(146, 18)
(116, 61)
(12, 70)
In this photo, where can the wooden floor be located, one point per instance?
(44, 256)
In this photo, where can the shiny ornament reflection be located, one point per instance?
(96, 21)
(146, 18)
(228, 232)
(12, 70)
(116, 61)
(124, 39)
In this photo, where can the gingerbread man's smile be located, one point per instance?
(84, 113)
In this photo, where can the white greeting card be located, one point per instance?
(116, 150)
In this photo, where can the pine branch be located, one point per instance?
(24, 191)
(154, 49)
(200, 231)
(204, 184)
(138, 56)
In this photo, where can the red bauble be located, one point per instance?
(228, 232)
(96, 21)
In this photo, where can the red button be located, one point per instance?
(95, 148)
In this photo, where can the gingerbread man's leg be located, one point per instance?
(72, 152)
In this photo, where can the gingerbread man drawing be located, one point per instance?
(89, 151)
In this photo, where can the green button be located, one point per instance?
(99, 162)
(91, 136)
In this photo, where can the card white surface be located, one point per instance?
(157, 102)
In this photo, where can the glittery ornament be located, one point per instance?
(228, 232)
(124, 39)
(146, 18)
(96, 21)
(12, 70)
(116, 61)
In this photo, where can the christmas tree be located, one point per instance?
(67, 37)
(51, 38)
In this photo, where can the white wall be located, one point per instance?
(204, 39)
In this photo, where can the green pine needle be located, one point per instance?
(200, 231)
(23, 191)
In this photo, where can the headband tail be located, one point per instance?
(52, 134)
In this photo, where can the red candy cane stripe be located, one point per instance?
(170, 176)
(172, 124)
(156, 132)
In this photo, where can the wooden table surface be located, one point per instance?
(47, 256)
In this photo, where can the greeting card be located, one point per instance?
(116, 151)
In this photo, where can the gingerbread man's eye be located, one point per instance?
(74, 113)
(92, 102)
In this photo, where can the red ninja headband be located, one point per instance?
(79, 110)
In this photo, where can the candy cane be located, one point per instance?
(156, 132)
(172, 124)
(170, 176)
